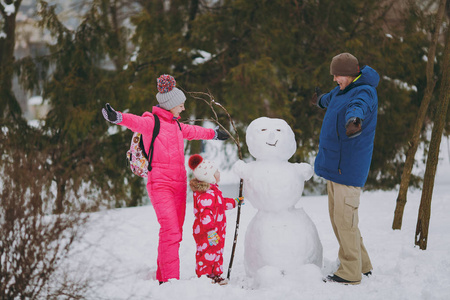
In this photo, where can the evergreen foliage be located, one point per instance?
(269, 56)
(256, 57)
(82, 155)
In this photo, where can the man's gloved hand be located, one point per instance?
(316, 97)
(353, 127)
(213, 238)
(220, 134)
(111, 115)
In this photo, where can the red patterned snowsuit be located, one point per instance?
(209, 211)
(167, 182)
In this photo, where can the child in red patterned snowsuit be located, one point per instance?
(210, 220)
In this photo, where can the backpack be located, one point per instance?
(139, 161)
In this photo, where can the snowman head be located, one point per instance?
(270, 139)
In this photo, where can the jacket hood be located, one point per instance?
(162, 113)
(368, 77)
(199, 186)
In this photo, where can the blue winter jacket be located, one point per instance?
(341, 159)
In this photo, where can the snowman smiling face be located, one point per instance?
(271, 136)
(270, 139)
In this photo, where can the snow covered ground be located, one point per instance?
(118, 253)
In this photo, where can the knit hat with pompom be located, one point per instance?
(203, 169)
(168, 95)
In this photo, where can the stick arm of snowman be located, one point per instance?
(211, 103)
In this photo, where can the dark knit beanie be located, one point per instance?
(344, 64)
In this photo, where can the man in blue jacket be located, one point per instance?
(345, 153)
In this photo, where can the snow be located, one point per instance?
(118, 253)
(10, 9)
(35, 100)
(401, 84)
(202, 58)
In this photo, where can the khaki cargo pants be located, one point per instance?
(343, 203)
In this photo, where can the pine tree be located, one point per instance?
(81, 153)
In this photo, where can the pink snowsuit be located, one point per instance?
(167, 182)
(209, 211)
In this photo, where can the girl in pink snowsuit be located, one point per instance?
(210, 221)
(167, 181)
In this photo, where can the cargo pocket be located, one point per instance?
(351, 212)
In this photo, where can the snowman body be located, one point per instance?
(279, 235)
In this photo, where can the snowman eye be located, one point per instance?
(278, 129)
(264, 129)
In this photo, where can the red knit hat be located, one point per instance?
(202, 169)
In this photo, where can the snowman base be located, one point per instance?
(284, 240)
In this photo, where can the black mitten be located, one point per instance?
(111, 115)
(315, 99)
(220, 134)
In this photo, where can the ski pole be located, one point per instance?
(236, 230)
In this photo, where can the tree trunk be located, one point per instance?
(9, 105)
(193, 9)
(414, 142)
(60, 194)
(423, 220)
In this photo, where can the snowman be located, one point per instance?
(280, 236)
